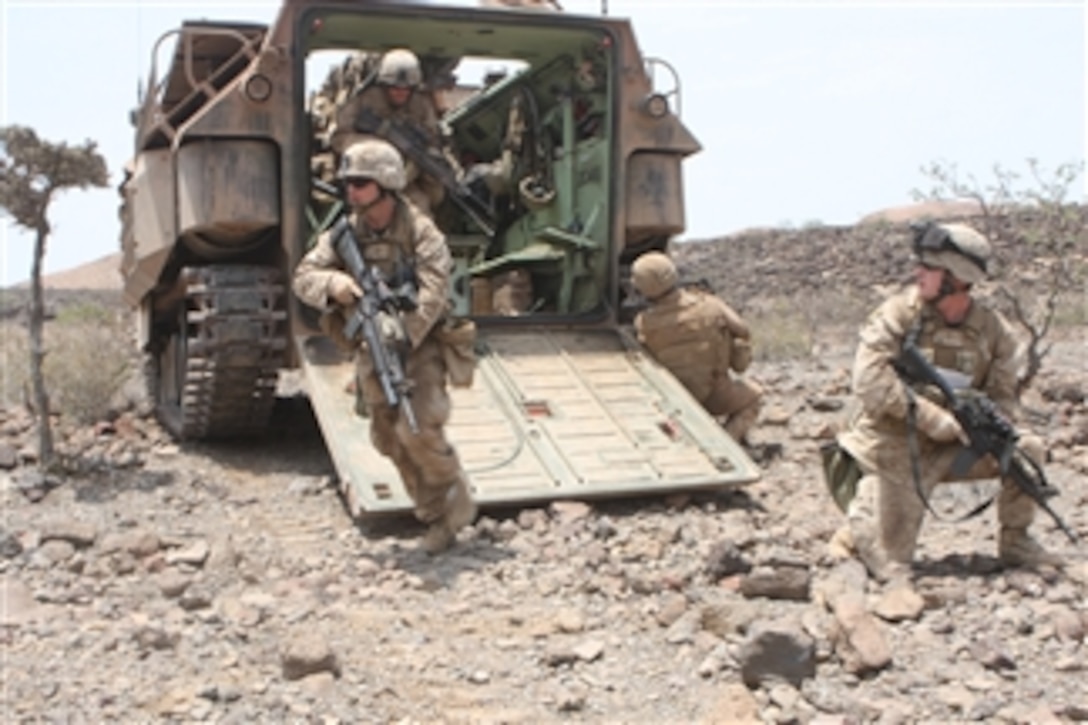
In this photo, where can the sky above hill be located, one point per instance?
(807, 111)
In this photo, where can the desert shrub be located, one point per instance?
(16, 364)
(784, 329)
(780, 331)
(86, 313)
(88, 360)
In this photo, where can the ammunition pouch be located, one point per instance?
(841, 473)
(332, 324)
(740, 356)
(458, 338)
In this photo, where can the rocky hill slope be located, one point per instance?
(861, 260)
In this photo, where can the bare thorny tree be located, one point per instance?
(1033, 215)
(32, 172)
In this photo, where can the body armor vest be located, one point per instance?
(683, 331)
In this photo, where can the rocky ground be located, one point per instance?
(227, 584)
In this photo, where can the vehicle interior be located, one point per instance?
(526, 104)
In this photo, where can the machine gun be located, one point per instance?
(987, 430)
(413, 145)
(377, 298)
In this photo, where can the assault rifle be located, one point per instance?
(413, 145)
(377, 298)
(987, 430)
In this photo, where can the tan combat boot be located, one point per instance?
(841, 543)
(870, 553)
(460, 512)
(1017, 548)
(438, 538)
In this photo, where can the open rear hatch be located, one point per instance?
(551, 414)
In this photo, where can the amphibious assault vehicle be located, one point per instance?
(224, 193)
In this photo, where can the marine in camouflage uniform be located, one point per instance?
(394, 236)
(956, 332)
(700, 339)
(339, 85)
(397, 95)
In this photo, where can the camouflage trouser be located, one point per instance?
(886, 514)
(738, 400)
(428, 464)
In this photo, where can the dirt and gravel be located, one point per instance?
(226, 583)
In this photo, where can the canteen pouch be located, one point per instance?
(458, 337)
(841, 472)
(332, 324)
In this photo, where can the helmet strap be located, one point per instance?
(376, 218)
(946, 288)
(953, 311)
(364, 208)
(663, 295)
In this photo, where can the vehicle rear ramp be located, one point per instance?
(551, 414)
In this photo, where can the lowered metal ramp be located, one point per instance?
(560, 414)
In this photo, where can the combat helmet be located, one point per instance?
(957, 248)
(399, 67)
(654, 275)
(373, 158)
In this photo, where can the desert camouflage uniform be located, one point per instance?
(422, 190)
(427, 462)
(886, 514)
(322, 160)
(694, 334)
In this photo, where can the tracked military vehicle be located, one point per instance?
(225, 193)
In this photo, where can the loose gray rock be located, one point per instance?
(782, 582)
(725, 559)
(9, 457)
(859, 640)
(776, 652)
(307, 654)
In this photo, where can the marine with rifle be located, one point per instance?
(396, 94)
(401, 362)
(908, 436)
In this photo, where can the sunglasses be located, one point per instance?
(929, 237)
(358, 183)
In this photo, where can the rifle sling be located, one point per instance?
(915, 457)
(1010, 460)
(397, 134)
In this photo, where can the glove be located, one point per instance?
(343, 289)
(740, 356)
(475, 173)
(390, 328)
(938, 424)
